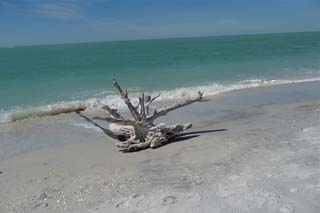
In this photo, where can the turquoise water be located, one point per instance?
(42, 75)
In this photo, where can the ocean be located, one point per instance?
(37, 80)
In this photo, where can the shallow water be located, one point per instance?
(39, 80)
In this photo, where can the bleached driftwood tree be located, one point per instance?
(140, 131)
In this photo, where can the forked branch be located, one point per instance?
(165, 110)
(124, 96)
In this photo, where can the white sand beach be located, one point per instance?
(253, 150)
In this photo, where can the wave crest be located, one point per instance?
(115, 101)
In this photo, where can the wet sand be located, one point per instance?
(254, 150)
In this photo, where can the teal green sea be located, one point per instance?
(35, 76)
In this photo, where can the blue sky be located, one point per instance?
(25, 22)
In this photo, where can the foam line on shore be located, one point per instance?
(115, 101)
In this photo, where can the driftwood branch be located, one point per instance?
(142, 107)
(149, 101)
(122, 121)
(124, 96)
(140, 132)
(113, 112)
(164, 111)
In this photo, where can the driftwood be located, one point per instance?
(140, 131)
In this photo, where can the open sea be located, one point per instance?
(37, 80)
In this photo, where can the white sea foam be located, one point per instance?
(215, 89)
(115, 101)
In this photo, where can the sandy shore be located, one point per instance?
(254, 150)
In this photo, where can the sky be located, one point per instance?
(29, 22)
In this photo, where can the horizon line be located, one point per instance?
(155, 38)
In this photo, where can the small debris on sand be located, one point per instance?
(44, 205)
(43, 196)
(168, 200)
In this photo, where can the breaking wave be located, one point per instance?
(115, 101)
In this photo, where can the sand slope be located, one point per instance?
(250, 151)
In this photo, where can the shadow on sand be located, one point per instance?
(201, 132)
(190, 135)
(181, 137)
